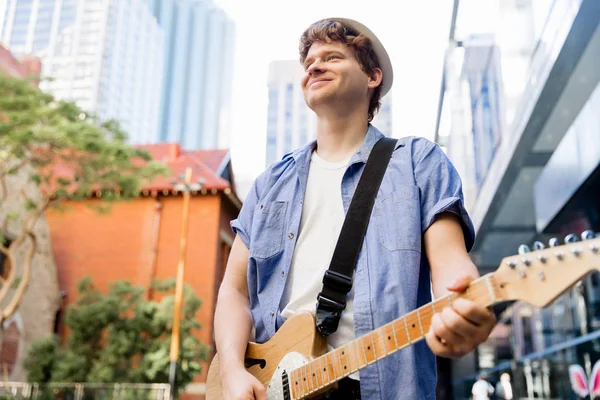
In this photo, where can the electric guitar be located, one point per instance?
(295, 364)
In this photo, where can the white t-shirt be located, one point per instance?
(322, 219)
(482, 390)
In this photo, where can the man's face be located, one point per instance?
(334, 76)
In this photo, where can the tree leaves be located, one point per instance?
(67, 154)
(121, 336)
(74, 153)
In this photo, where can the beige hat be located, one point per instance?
(384, 59)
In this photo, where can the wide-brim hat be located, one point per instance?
(382, 56)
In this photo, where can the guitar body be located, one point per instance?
(295, 344)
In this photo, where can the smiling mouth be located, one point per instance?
(320, 81)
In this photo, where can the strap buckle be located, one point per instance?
(337, 281)
(328, 315)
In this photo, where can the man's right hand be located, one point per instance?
(239, 384)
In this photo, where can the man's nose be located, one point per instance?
(315, 68)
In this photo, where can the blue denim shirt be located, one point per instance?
(392, 274)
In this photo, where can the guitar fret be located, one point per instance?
(313, 379)
(356, 355)
(297, 381)
(420, 323)
(300, 378)
(335, 376)
(407, 333)
(324, 377)
(373, 344)
(341, 364)
(382, 337)
(350, 358)
(307, 378)
(315, 368)
(395, 338)
(365, 353)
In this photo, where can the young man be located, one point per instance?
(416, 241)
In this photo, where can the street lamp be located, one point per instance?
(186, 187)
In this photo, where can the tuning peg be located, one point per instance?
(524, 249)
(553, 242)
(571, 238)
(587, 235)
(537, 245)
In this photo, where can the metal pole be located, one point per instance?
(174, 353)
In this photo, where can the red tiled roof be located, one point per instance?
(204, 164)
(19, 68)
(212, 158)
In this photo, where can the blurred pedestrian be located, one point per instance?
(482, 389)
(504, 388)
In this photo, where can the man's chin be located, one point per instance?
(319, 99)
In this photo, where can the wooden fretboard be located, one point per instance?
(365, 350)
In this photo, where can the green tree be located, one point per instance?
(67, 154)
(120, 337)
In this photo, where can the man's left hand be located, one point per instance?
(458, 329)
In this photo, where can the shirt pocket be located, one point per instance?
(267, 227)
(398, 219)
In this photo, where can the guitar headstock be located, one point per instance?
(541, 275)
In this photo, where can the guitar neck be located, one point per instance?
(384, 341)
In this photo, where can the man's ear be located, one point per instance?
(375, 78)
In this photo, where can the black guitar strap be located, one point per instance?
(337, 281)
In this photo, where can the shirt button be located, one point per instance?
(282, 273)
(291, 235)
(272, 314)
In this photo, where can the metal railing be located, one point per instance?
(84, 391)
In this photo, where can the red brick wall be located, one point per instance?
(107, 247)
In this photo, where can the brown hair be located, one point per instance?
(327, 30)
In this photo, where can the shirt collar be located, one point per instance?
(302, 155)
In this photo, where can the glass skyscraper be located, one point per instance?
(106, 55)
(196, 85)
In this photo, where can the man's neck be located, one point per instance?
(339, 138)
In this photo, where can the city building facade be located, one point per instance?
(518, 117)
(195, 100)
(106, 55)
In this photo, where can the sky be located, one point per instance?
(414, 32)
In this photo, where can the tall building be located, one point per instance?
(518, 117)
(106, 55)
(195, 108)
(290, 123)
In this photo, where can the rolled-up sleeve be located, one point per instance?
(242, 225)
(441, 190)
